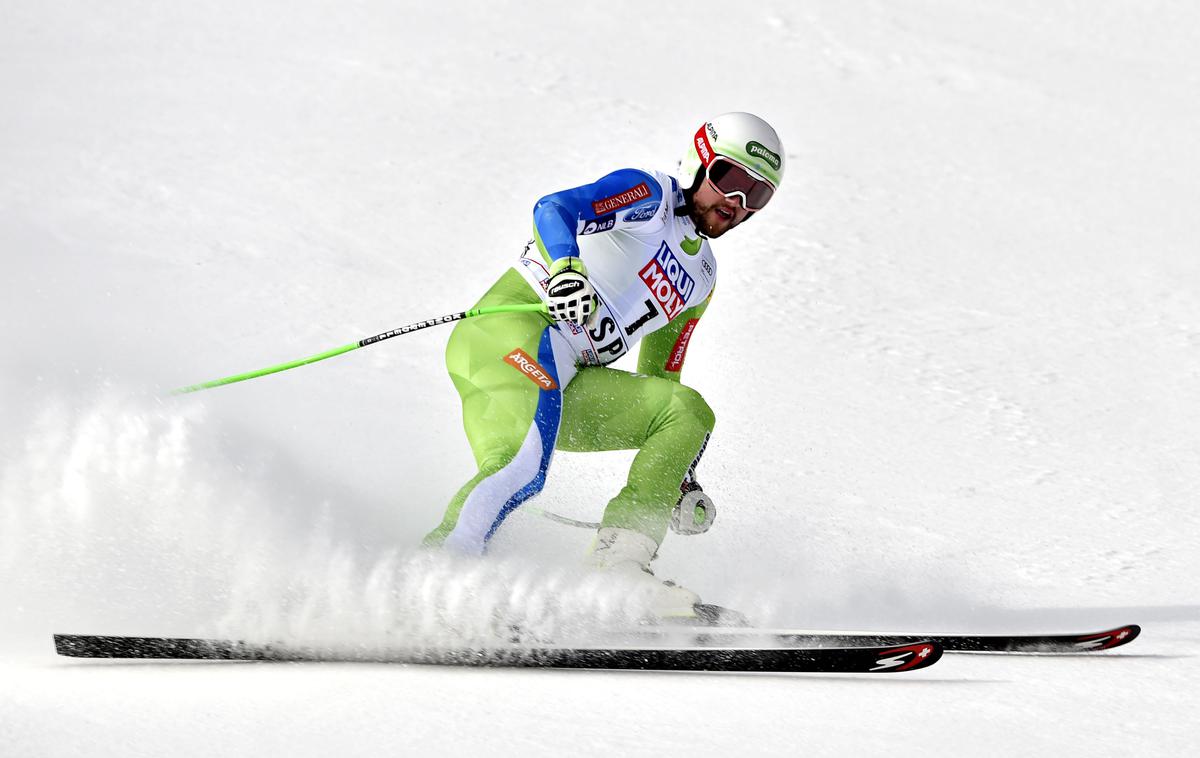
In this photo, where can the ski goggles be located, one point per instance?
(733, 179)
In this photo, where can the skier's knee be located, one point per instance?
(495, 461)
(695, 406)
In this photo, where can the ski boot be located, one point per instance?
(628, 554)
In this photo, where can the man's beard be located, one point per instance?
(701, 219)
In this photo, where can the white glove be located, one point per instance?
(570, 296)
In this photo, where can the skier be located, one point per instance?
(623, 259)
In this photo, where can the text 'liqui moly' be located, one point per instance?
(668, 281)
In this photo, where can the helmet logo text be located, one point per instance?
(758, 150)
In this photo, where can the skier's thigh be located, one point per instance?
(608, 409)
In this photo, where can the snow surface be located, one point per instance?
(956, 366)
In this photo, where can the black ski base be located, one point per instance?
(877, 659)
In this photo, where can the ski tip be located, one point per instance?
(1122, 635)
(917, 655)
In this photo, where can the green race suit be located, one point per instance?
(530, 385)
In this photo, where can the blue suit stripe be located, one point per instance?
(547, 418)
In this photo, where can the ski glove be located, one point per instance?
(569, 294)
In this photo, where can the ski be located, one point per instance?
(1085, 642)
(909, 656)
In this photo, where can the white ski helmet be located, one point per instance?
(741, 137)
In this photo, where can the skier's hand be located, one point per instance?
(570, 296)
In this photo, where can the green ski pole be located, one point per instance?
(524, 307)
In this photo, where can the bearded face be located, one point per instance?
(713, 213)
